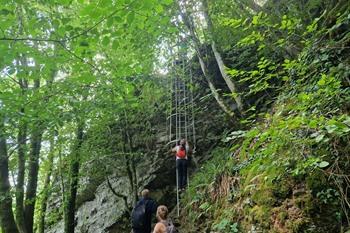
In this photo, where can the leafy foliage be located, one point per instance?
(287, 167)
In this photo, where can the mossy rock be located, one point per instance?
(261, 214)
(264, 197)
(316, 181)
(282, 189)
(297, 225)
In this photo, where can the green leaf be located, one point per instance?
(319, 138)
(255, 20)
(105, 41)
(110, 22)
(115, 45)
(118, 19)
(167, 2)
(323, 164)
(87, 10)
(130, 18)
(159, 9)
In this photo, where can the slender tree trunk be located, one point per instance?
(227, 79)
(21, 137)
(132, 162)
(33, 171)
(22, 147)
(218, 57)
(32, 183)
(63, 186)
(212, 87)
(46, 191)
(21, 140)
(133, 168)
(127, 159)
(131, 178)
(200, 56)
(69, 222)
(7, 221)
(33, 167)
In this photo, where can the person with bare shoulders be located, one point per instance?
(164, 224)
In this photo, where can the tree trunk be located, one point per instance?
(21, 141)
(7, 221)
(62, 184)
(129, 160)
(33, 166)
(69, 221)
(212, 88)
(33, 171)
(136, 186)
(21, 137)
(204, 68)
(218, 58)
(32, 183)
(46, 191)
(132, 164)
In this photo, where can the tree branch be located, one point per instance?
(79, 58)
(124, 197)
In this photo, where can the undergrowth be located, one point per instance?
(289, 171)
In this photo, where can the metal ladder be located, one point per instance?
(181, 115)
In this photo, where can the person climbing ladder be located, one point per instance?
(182, 153)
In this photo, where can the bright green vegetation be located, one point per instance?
(288, 171)
(84, 96)
(73, 74)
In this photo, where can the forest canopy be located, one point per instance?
(85, 92)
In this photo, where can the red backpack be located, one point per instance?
(181, 153)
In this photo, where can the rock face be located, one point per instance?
(106, 212)
(100, 213)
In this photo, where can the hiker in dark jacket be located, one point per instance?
(142, 213)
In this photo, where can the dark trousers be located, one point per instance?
(181, 166)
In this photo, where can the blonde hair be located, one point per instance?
(145, 193)
(162, 212)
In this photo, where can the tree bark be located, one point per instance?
(129, 159)
(33, 166)
(32, 183)
(204, 68)
(133, 169)
(69, 221)
(7, 221)
(129, 172)
(21, 141)
(212, 87)
(33, 171)
(21, 137)
(230, 84)
(132, 162)
(46, 191)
